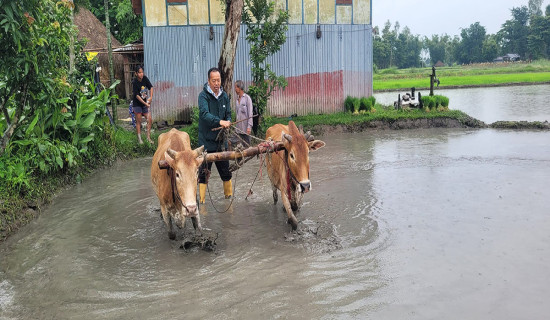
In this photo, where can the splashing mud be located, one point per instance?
(315, 237)
(189, 239)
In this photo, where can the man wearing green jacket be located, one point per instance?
(214, 112)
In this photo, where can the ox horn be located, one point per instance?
(308, 136)
(199, 151)
(171, 153)
(287, 136)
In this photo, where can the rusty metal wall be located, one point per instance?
(320, 72)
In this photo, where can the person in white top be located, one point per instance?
(243, 109)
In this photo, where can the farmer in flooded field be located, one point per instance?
(214, 112)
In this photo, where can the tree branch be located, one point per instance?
(3, 107)
(15, 122)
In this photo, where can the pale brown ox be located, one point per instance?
(288, 169)
(179, 201)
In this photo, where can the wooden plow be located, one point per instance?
(248, 153)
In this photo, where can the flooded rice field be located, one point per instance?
(415, 224)
(515, 103)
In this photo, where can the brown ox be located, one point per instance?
(288, 169)
(176, 187)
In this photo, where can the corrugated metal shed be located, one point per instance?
(320, 72)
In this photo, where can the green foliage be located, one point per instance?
(442, 101)
(470, 48)
(515, 32)
(364, 104)
(125, 25)
(355, 105)
(526, 34)
(265, 33)
(478, 74)
(57, 139)
(52, 121)
(433, 102)
(428, 102)
(348, 104)
(538, 41)
(193, 128)
(396, 48)
(33, 62)
(371, 103)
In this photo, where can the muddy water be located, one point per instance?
(528, 103)
(419, 224)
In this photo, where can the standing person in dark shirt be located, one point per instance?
(142, 97)
(214, 112)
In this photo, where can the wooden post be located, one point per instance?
(110, 55)
(432, 78)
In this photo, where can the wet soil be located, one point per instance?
(402, 124)
(315, 236)
(520, 125)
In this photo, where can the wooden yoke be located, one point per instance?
(264, 147)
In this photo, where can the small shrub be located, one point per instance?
(432, 104)
(444, 101)
(441, 101)
(428, 102)
(356, 105)
(372, 103)
(364, 104)
(348, 104)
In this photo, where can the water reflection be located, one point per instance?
(432, 224)
(514, 103)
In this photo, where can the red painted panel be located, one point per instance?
(314, 93)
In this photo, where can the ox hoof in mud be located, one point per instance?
(293, 222)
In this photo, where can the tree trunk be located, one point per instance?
(71, 42)
(110, 53)
(6, 137)
(233, 17)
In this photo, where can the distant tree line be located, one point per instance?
(527, 34)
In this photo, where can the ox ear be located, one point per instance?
(198, 151)
(169, 158)
(316, 144)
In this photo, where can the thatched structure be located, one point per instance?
(90, 28)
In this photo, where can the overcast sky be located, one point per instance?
(427, 17)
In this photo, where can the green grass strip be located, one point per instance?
(472, 80)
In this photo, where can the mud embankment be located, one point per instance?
(400, 124)
(404, 124)
(520, 125)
